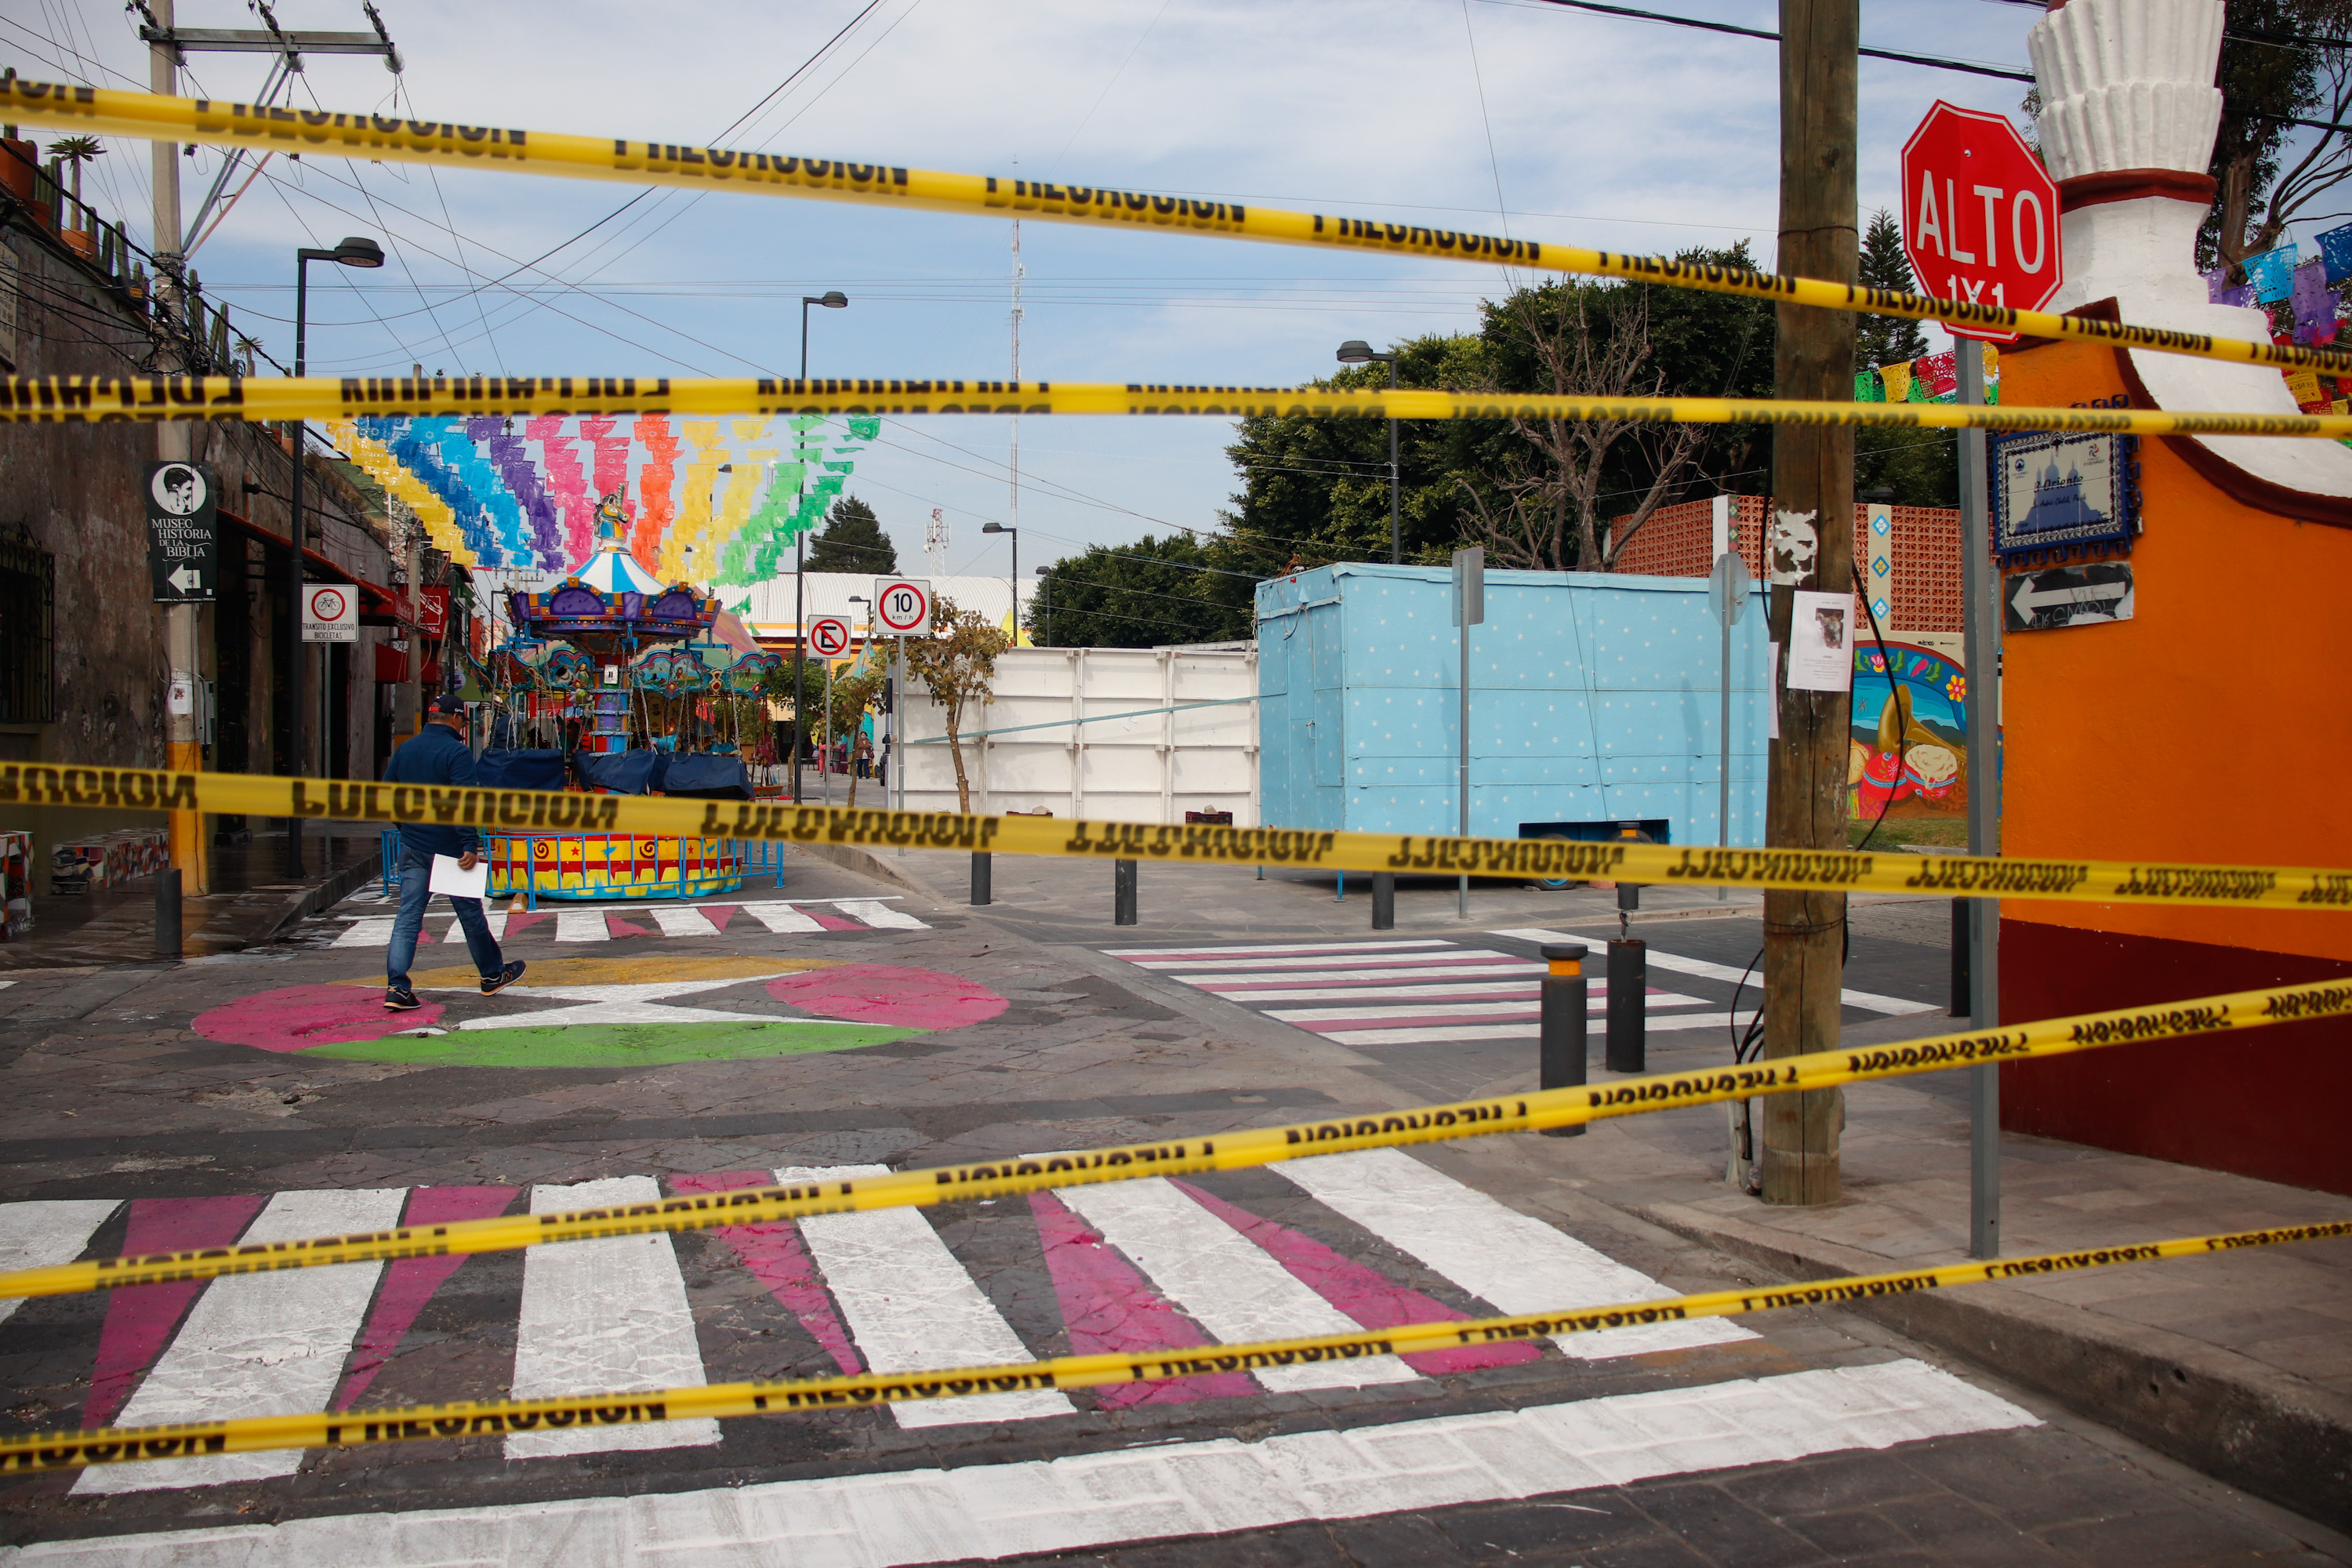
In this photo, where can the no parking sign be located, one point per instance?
(829, 637)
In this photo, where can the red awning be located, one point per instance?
(379, 606)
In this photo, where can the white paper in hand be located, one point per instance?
(460, 884)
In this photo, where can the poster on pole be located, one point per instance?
(182, 532)
(1821, 642)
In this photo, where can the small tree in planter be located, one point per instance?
(958, 662)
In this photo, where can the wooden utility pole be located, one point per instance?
(1812, 489)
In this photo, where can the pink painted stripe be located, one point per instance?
(140, 1318)
(619, 927)
(828, 920)
(409, 1282)
(779, 1260)
(1372, 1298)
(518, 923)
(718, 914)
(1110, 1309)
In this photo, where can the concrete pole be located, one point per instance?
(182, 623)
(1981, 599)
(1812, 479)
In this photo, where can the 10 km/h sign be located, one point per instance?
(829, 637)
(902, 605)
(1980, 215)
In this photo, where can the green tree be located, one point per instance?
(1317, 490)
(1886, 339)
(957, 663)
(1147, 594)
(852, 541)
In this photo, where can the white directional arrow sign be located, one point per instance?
(2070, 595)
(186, 579)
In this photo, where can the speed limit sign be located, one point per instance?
(828, 637)
(902, 605)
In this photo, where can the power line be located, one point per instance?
(1932, 61)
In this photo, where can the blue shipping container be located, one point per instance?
(1595, 700)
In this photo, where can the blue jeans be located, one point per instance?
(415, 892)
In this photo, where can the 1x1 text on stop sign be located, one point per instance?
(1980, 215)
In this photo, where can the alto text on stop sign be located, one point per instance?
(1980, 215)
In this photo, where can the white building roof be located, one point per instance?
(829, 594)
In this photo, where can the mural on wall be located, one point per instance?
(1908, 753)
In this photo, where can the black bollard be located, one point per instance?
(1629, 985)
(1564, 1025)
(167, 912)
(1122, 892)
(1385, 900)
(982, 867)
(1961, 1008)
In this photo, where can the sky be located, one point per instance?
(1542, 123)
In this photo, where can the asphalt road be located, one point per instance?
(842, 1022)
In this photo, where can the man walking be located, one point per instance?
(436, 754)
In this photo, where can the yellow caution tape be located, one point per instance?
(1219, 1151)
(488, 1417)
(379, 139)
(105, 399)
(564, 811)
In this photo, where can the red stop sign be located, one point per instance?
(1980, 215)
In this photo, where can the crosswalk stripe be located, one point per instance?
(683, 921)
(875, 913)
(1401, 1010)
(372, 931)
(1663, 1022)
(1366, 964)
(1517, 1263)
(1868, 1000)
(1134, 953)
(1132, 1492)
(781, 918)
(43, 1232)
(1468, 970)
(1527, 987)
(912, 1307)
(609, 1314)
(582, 925)
(258, 1344)
(1222, 1280)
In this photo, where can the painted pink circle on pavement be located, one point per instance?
(887, 994)
(301, 1016)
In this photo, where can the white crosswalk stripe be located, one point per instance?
(604, 1315)
(913, 1308)
(614, 1314)
(1868, 1000)
(258, 1344)
(675, 921)
(1222, 1280)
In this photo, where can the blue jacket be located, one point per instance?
(434, 756)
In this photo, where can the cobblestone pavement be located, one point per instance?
(843, 1021)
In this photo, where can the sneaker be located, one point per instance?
(400, 999)
(500, 981)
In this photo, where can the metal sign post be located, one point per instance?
(829, 637)
(1981, 599)
(1726, 596)
(901, 605)
(1469, 610)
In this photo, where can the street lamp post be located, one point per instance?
(1013, 579)
(832, 299)
(1047, 625)
(1355, 351)
(355, 251)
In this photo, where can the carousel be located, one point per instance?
(643, 688)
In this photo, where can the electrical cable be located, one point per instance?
(1932, 61)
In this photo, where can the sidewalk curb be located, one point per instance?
(2218, 1412)
(866, 863)
(329, 891)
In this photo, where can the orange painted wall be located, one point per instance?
(2209, 727)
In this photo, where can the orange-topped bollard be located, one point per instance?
(1563, 1025)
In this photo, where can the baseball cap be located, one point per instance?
(449, 704)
